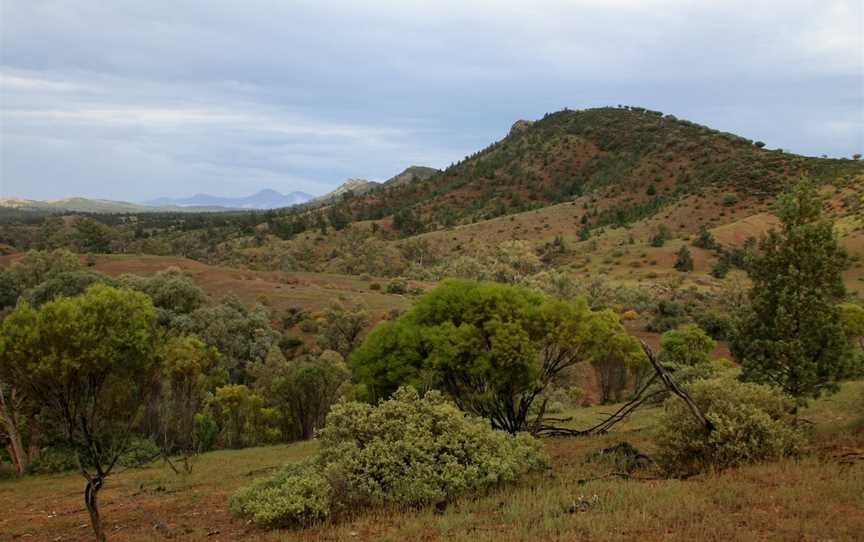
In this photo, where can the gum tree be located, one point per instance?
(87, 364)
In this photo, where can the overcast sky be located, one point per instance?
(138, 99)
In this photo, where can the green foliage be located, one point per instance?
(66, 284)
(613, 354)
(752, 423)
(242, 417)
(688, 345)
(241, 336)
(492, 348)
(342, 329)
(307, 389)
(95, 356)
(720, 269)
(92, 236)
(791, 335)
(663, 234)
(684, 261)
(37, 266)
(397, 286)
(185, 387)
(408, 450)
(173, 292)
(706, 239)
(299, 495)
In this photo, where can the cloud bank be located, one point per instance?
(134, 100)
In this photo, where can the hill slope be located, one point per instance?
(641, 157)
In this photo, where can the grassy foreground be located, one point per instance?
(819, 497)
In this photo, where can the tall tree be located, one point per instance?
(87, 364)
(493, 348)
(791, 335)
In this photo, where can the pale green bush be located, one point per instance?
(752, 423)
(297, 495)
(408, 450)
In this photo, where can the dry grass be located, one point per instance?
(819, 497)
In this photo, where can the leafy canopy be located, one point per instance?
(493, 348)
(791, 336)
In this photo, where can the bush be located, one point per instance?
(752, 423)
(298, 495)
(397, 286)
(408, 450)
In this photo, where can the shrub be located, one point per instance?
(408, 450)
(397, 286)
(375, 286)
(752, 423)
(684, 262)
(729, 200)
(298, 495)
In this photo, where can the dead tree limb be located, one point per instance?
(673, 387)
(639, 398)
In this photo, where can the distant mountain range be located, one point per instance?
(265, 199)
(86, 205)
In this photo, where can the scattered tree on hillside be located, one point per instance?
(791, 335)
(87, 365)
(684, 261)
(706, 239)
(663, 234)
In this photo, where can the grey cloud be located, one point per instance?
(135, 100)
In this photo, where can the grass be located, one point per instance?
(814, 498)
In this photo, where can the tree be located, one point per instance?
(342, 329)
(308, 390)
(87, 364)
(688, 345)
(684, 262)
(613, 354)
(173, 292)
(243, 418)
(37, 266)
(706, 239)
(186, 362)
(93, 236)
(791, 336)
(493, 348)
(663, 234)
(66, 284)
(240, 335)
(852, 320)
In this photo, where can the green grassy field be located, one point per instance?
(817, 497)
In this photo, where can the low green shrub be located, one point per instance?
(298, 495)
(408, 450)
(752, 423)
(397, 286)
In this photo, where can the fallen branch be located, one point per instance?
(630, 406)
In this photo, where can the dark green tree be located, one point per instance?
(493, 348)
(791, 336)
(705, 239)
(87, 365)
(684, 262)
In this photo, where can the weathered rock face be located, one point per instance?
(520, 125)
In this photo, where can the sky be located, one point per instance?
(134, 100)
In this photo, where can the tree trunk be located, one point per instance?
(90, 500)
(9, 421)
